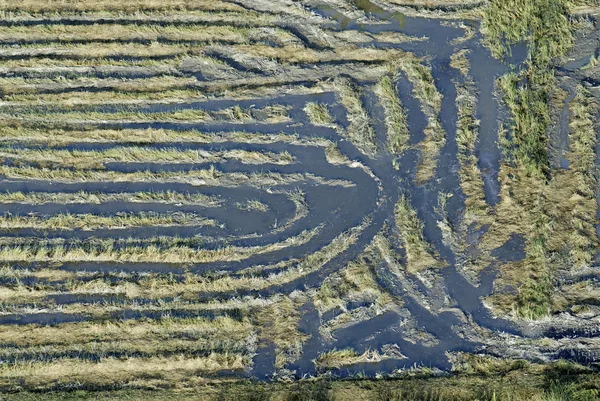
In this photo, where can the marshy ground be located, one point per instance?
(209, 196)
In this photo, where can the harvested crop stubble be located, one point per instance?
(53, 136)
(467, 131)
(115, 32)
(153, 287)
(395, 116)
(52, 6)
(571, 195)
(272, 114)
(50, 61)
(279, 324)
(82, 197)
(65, 334)
(207, 177)
(336, 359)
(360, 132)
(318, 113)
(29, 89)
(424, 88)
(50, 158)
(89, 222)
(107, 311)
(156, 250)
(419, 253)
(104, 50)
(74, 373)
(354, 281)
(253, 205)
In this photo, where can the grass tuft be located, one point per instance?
(318, 113)
(395, 116)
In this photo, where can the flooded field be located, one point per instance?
(206, 191)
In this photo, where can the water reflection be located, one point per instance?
(370, 9)
(373, 9)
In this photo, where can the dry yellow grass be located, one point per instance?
(273, 114)
(34, 6)
(172, 371)
(471, 181)
(28, 89)
(355, 281)
(571, 196)
(360, 131)
(106, 250)
(77, 159)
(296, 54)
(221, 329)
(65, 33)
(56, 136)
(209, 176)
(338, 358)
(318, 113)
(279, 324)
(420, 255)
(103, 50)
(431, 102)
(89, 222)
(398, 134)
(40, 198)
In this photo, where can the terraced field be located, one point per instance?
(203, 191)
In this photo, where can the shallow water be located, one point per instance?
(444, 306)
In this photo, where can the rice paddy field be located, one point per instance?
(299, 200)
